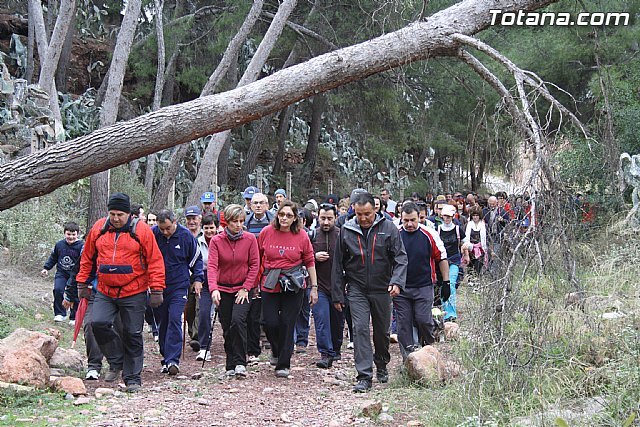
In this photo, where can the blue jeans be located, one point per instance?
(59, 283)
(301, 331)
(169, 316)
(204, 316)
(322, 321)
(449, 306)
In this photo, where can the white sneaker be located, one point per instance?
(59, 318)
(72, 323)
(201, 355)
(241, 371)
(92, 374)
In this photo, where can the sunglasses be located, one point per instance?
(285, 215)
(327, 206)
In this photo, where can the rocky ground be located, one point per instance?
(203, 396)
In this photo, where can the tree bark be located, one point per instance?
(217, 143)
(47, 83)
(208, 167)
(161, 195)
(65, 58)
(99, 183)
(309, 165)
(263, 129)
(283, 128)
(157, 93)
(31, 40)
(37, 174)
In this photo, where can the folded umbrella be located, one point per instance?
(82, 309)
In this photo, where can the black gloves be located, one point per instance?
(445, 290)
(83, 290)
(155, 299)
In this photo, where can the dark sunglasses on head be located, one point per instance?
(327, 206)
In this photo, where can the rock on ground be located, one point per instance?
(69, 360)
(428, 364)
(70, 385)
(24, 366)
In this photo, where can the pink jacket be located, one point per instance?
(233, 265)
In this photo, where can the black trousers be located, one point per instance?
(233, 319)
(413, 307)
(279, 314)
(253, 327)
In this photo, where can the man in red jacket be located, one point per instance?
(128, 264)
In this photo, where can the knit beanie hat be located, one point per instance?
(119, 202)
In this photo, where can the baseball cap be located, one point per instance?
(192, 211)
(356, 192)
(249, 192)
(207, 197)
(280, 191)
(448, 210)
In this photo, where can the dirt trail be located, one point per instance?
(310, 397)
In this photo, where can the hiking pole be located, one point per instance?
(184, 330)
(213, 321)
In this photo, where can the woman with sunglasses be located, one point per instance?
(284, 250)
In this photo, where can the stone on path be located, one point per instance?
(428, 364)
(71, 385)
(451, 331)
(104, 391)
(371, 408)
(69, 360)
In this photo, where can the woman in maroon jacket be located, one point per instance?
(232, 270)
(284, 249)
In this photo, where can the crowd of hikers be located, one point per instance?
(262, 271)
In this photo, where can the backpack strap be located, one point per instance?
(312, 234)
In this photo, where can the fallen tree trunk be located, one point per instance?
(42, 172)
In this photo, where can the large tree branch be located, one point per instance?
(43, 172)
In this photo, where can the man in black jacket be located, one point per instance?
(370, 258)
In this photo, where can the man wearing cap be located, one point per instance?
(351, 212)
(193, 217)
(248, 195)
(183, 266)
(128, 265)
(280, 196)
(208, 199)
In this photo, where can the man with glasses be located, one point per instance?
(258, 219)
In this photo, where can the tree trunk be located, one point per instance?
(157, 93)
(161, 195)
(65, 57)
(309, 165)
(223, 158)
(283, 128)
(209, 162)
(99, 185)
(37, 174)
(31, 40)
(48, 55)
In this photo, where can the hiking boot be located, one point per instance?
(164, 369)
(273, 361)
(92, 374)
(362, 386)
(337, 357)
(325, 362)
(282, 373)
(112, 375)
(301, 349)
(133, 388)
(382, 375)
(195, 345)
(173, 369)
(230, 373)
(201, 355)
(241, 371)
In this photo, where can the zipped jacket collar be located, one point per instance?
(353, 225)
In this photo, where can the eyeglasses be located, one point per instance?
(259, 203)
(285, 215)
